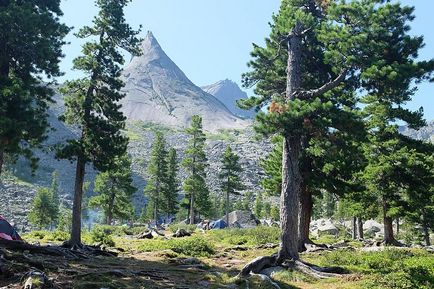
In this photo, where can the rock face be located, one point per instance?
(159, 92)
(425, 133)
(228, 92)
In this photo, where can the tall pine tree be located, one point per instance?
(195, 163)
(157, 171)
(92, 102)
(388, 75)
(31, 39)
(230, 179)
(298, 75)
(171, 192)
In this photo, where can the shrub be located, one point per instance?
(191, 246)
(196, 247)
(103, 235)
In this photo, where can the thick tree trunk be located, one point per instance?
(354, 228)
(389, 238)
(78, 196)
(291, 172)
(306, 205)
(360, 228)
(192, 209)
(289, 200)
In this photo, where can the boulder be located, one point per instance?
(372, 227)
(181, 233)
(242, 219)
(323, 227)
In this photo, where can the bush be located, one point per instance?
(196, 247)
(103, 235)
(58, 235)
(250, 237)
(191, 246)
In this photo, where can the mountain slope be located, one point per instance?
(159, 92)
(228, 92)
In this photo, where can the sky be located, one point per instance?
(211, 40)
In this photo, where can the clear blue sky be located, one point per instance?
(210, 40)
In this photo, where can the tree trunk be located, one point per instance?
(360, 228)
(306, 205)
(354, 228)
(192, 209)
(78, 196)
(289, 201)
(291, 172)
(227, 208)
(389, 238)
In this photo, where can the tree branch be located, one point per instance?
(323, 89)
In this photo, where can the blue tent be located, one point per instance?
(219, 224)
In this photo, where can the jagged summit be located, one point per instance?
(158, 91)
(228, 92)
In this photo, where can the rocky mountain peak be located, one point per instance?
(158, 91)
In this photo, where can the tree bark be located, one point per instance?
(389, 238)
(78, 196)
(291, 172)
(227, 208)
(354, 228)
(306, 205)
(360, 228)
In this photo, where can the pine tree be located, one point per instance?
(230, 179)
(157, 171)
(308, 101)
(114, 190)
(92, 103)
(55, 199)
(171, 191)
(31, 40)
(387, 76)
(42, 209)
(195, 162)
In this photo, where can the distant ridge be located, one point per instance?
(158, 91)
(228, 92)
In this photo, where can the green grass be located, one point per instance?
(390, 268)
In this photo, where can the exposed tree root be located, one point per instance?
(393, 242)
(45, 250)
(310, 246)
(261, 263)
(316, 271)
(85, 251)
(258, 264)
